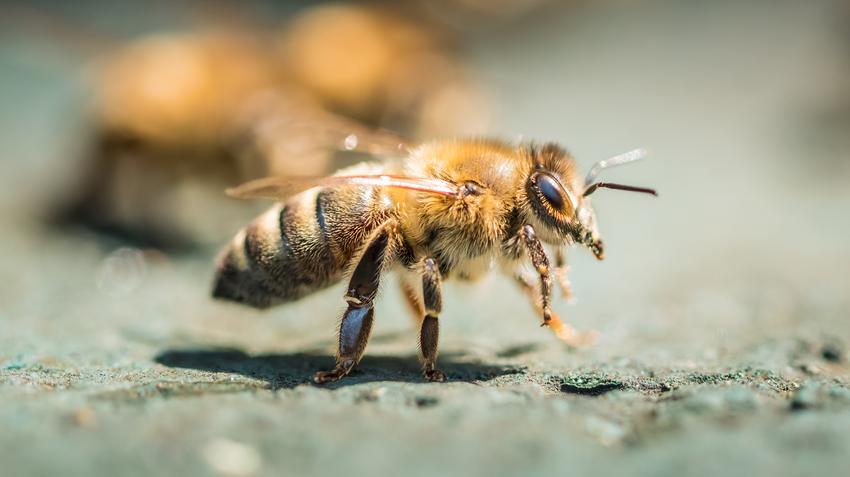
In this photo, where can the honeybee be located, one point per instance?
(441, 210)
(178, 116)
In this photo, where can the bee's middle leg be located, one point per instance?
(356, 324)
(411, 297)
(429, 333)
(562, 275)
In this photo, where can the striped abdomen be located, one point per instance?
(298, 247)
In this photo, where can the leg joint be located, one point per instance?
(356, 300)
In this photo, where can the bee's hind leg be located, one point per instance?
(356, 324)
(430, 331)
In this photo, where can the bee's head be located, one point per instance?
(559, 198)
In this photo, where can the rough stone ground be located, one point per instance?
(723, 305)
(137, 373)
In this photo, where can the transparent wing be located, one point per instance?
(339, 133)
(282, 187)
(295, 136)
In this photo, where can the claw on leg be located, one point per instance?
(340, 371)
(435, 375)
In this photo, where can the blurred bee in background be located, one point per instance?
(443, 209)
(180, 116)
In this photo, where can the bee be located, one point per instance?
(450, 209)
(178, 116)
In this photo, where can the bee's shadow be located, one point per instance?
(283, 371)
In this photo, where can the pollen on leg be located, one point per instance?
(570, 335)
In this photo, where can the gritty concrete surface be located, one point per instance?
(722, 308)
(106, 381)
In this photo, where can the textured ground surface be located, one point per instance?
(145, 379)
(724, 306)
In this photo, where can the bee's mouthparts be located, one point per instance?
(598, 249)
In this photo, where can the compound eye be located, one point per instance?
(553, 192)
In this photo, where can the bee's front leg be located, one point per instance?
(541, 264)
(356, 323)
(430, 331)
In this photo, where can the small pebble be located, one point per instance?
(606, 432)
(231, 458)
(84, 417)
(372, 395)
(832, 352)
(810, 368)
(806, 398)
(426, 401)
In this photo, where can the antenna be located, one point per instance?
(618, 160)
(610, 185)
